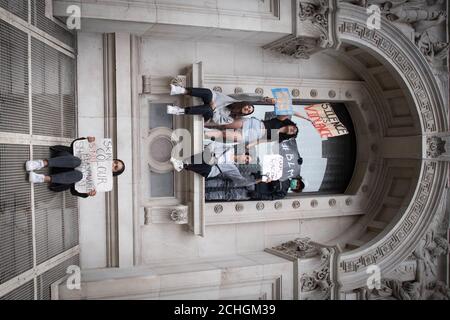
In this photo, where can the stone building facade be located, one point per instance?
(155, 237)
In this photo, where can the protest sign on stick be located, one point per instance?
(96, 165)
(283, 101)
(325, 120)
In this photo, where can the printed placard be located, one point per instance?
(96, 165)
(272, 167)
(325, 120)
(283, 101)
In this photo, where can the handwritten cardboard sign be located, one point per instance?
(96, 165)
(283, 101)
(272, 167)
(325, 120)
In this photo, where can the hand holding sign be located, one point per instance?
(96, 165)
(283, 101)
(272, 168)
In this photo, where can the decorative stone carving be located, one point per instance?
(260, 206)
(152, 84)
(421, 15)
(308, 283)
(411, 12)
(278, 205)
(388, 245)
(159, 145)
(316, 278)
(239, 207)
(406, 271)
(218, 208)
(435, 147)
(431, 247)
(423, 264)
(394, 49)
(314, 203)
(398, 58)
(296, 204)
(166, 214)
(295, 93)
(318, 281)
(331, 93)
(296, 47)
(321, 15)
(433, 50)
(314, 30)
(396, 290)
(179, 216)
(439, 291)
(410, 290)
(238, 90)
(317, 13)
(259, 91)
(217, 89)
(299, 248)
(313, 93)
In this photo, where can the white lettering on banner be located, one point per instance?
(96, 165)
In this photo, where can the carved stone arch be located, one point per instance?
(393, 246)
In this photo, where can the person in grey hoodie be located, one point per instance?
(217, 108)
(218, 159)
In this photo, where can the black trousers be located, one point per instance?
(205, 109)
(198, 165)
(65, 160)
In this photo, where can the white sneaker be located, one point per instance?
(36, 177)
(174, 90)
(174, 110)
(178, 165)
(34, 165)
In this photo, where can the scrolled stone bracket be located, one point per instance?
(314, 30)
(316, 265)
(178, 214)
